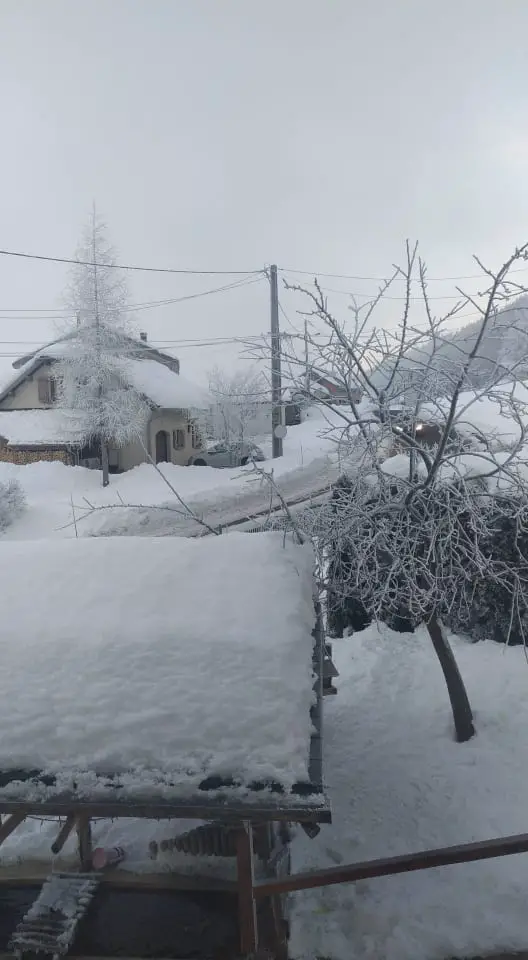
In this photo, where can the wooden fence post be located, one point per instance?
(84, 836)
(247, 908)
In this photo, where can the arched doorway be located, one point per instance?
(162, 446)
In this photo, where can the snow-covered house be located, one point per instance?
(200, 743)
(33, 427)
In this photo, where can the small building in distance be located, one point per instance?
(33, 427)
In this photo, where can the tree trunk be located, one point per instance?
(462, 714)
(104, 463)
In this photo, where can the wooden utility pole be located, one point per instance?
(276, 382)
(306, 359)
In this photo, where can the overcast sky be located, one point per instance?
(227, 134)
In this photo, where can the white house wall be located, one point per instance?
(171, 421)
(132, 455)
(26, 396)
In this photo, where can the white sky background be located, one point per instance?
(226, 134)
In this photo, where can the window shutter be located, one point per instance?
(43, 391)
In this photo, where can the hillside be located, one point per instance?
(505, 344)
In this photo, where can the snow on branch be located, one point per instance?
(435, 452)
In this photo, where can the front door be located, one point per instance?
(162, 446)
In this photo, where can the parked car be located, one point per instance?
(227, 455)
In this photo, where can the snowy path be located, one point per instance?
(221, 497)
(239, 496)
(222, 508)
(398, 783)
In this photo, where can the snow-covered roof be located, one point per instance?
(154, 664)
(163, 386)
(160, 384)
(39, 428)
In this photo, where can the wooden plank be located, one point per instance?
(33, 873)
(293, 810)
(247, 908)
(390, 866)
(84, 836)
(11, 824)
(63, 834)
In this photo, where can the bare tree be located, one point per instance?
(94, 388)
(433, 463)
(240, 404)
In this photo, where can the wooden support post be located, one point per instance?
(247, 910)
(11, 824)
(63, 834)
(84, 836)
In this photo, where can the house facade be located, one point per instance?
(33, 427)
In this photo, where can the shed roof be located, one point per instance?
(40, 428)
(158, 670)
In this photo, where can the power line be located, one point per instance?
(194, 272)
(124, 266)
(6, 314)
(350, 276)
(386, 296)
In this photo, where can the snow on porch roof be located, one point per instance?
(39, 428)
(158, 666)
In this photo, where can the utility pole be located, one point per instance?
(306, 359)
(276, 382)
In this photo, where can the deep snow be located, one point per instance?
(157, 658)
(398, 783)
(309, 463)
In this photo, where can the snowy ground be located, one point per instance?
(219, 496)
(398, 783)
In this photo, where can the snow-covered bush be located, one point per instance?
(12, 503)
(498, 610)
(490, 606)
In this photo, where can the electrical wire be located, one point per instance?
(124, 266)
(350, 276)
(386, 296)
(6, 314)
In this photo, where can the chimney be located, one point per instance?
(143, 336)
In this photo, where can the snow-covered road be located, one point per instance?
(225, 507)
(141, 502)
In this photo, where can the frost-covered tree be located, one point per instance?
(435, 470)
(12, 503)
(94, 387)
(238, 407)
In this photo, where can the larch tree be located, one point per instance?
(434, 469)
(95, 390)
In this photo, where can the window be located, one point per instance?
(196, 440)
(47, 390)
(178, 439)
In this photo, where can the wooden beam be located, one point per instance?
(11, 824)
(293, 810)
(247, 908)
(33, 873)
(84, 836)
(63, 834)
(389, 866)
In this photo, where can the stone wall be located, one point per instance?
(21, 455)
